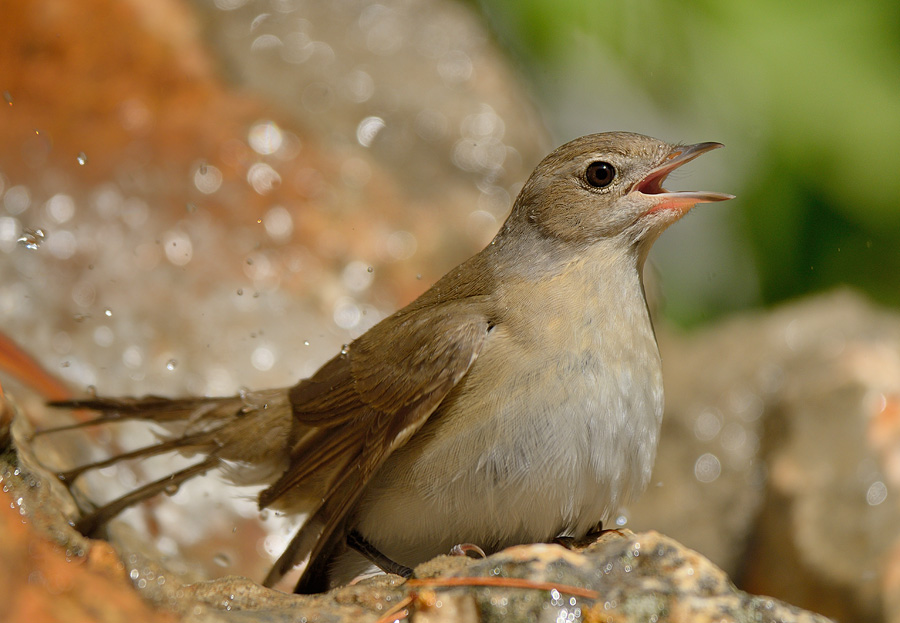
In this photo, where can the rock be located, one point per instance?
(235, 182)
(48, 572)
(779, 454)
(209, 223)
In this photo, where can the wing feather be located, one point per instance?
(364, 404)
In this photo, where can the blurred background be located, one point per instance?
(203, 195)
(806, 97)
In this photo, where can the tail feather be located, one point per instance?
(91, 523)
(193, 443)
(318, 534)
(153, 408)
(252, 429)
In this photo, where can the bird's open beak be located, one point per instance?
(680, 200)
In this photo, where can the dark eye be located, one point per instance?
(600, 174)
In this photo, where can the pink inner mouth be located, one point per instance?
(652, 183)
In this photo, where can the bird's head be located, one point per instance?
(604, 186)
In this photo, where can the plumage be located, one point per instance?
(517, 400)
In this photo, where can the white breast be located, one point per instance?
(554, 427)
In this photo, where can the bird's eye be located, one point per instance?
(600, 174)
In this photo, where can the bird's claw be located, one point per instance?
(464, 549)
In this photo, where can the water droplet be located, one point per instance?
(171, 364)
(8, 98)
(222, 559)
(171, 489)
(707, 425)
(31, 238)
(107, 312)
(16, 200)
(278, 223)
(347, 314)
(263, 359)
(208, 178)
(876, 494)
(357, 276)
(455, 67)
(82, 158)
(345, 349)
(265, 138)
(263, 178)
(306, 342)
(104, 336)
(368, 129)
(240, 291)
(60, 207)
(178, 247)
(401, 245)
(134, 574)
(707, 468)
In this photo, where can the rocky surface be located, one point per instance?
(780, 454)
(199, 197)
(241, 163)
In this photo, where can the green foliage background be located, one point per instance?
(806, 96)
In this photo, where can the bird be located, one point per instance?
(517, 400)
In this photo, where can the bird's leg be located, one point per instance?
(358, 542)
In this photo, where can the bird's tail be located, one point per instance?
(250, 430)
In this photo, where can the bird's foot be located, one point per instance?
(566, 541)
(597, 531)
(570, 542)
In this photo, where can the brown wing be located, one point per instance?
(366, 402)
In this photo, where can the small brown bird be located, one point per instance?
(517, 400)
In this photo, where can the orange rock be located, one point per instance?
(41, 583)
